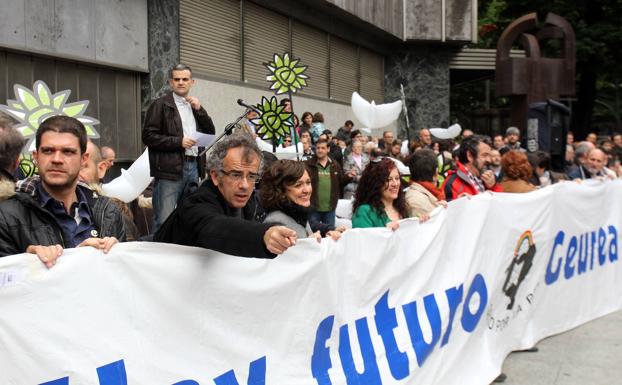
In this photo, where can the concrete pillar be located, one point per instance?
(424, 72)
(163, 48)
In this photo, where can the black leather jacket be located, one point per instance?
(23, 222)
(204, 219)
(163, 134)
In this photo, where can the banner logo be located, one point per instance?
(519, 267)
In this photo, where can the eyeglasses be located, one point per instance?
(237, 176)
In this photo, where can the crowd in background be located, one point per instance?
(242, 201)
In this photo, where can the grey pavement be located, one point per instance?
(590, 354)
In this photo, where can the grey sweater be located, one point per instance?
(289, 222)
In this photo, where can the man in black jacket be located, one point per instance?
(52, 212)
(11, 143)
(171, 124)
(223, 214)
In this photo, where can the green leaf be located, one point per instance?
(59, 99)
(35, 118)
(15, 105)
(278, 62)
(25, 130)
(26, 97)
(75, 109)
(90, 131)
(43, 92)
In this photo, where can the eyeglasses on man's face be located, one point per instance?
(238, 176)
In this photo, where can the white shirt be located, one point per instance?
(188, 122)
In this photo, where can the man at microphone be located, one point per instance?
(171, 124)
(247, 126)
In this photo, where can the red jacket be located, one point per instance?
(458, 183)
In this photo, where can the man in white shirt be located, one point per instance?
(171, 124)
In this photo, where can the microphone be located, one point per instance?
(248, 106)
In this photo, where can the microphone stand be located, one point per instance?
(228, 130)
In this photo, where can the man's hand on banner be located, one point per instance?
(104, 244)
(393, 225)
(279, 238)
(47, 254)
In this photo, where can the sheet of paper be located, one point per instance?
(203, 140)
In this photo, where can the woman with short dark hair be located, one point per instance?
(286, 197)
(423, 195)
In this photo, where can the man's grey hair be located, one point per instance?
(11, 144)
(219, 151)
(179, 67)
(582, 150)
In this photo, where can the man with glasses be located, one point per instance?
(223, 214)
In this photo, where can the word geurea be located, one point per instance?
(576, 255)
(473, 306)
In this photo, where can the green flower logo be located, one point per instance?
(27, 165)
(31, 108)
(274, 122)
(285, 74)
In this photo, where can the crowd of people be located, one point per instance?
(241, 201)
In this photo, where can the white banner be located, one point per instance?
(442, 302)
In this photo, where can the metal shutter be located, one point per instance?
(265, 33)
(310, 45)
(113, 95)
(210, 37)
(344, 73)
(372, 76)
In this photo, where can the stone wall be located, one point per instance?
(424, 72)
(163, 48)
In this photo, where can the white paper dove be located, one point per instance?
(132, 181)
(401, 167)
(447, 133)
(372, 115)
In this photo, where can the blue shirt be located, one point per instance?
(76, 226)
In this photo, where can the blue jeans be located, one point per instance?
(166, 193)
(326, 217)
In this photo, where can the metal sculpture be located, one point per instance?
(534, 78)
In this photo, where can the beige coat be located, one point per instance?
(420, 200)
(516, 186)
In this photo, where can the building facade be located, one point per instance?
(117, 54)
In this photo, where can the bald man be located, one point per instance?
(94, 170)
(596, 164)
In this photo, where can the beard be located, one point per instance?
(480, 168)
(59, 182)
(593, 171)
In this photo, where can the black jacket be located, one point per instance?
(163, 134)
(337, 181)
(204, 219)
(23, 222)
